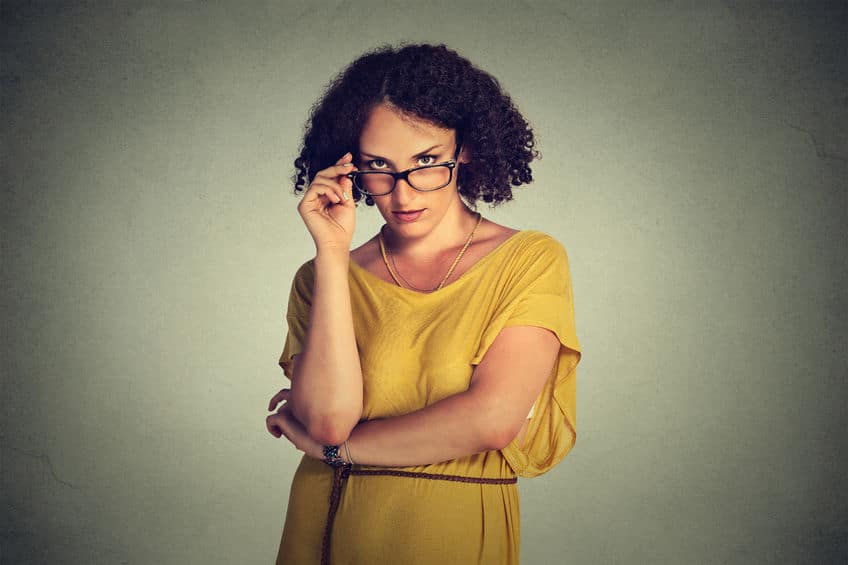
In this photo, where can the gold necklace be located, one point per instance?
(395, 274)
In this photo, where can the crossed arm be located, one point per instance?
(324, 405)
(487, 416)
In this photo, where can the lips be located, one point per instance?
(407, 215)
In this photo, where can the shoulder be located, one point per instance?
(497, 234)
(490, 237)
(493, 234)
(366, 253)
(305, 271)
(542, 240)
(368, 258)
(536, 259)
(533, 245)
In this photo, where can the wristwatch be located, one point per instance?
(332, 457)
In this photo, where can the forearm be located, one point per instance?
(454, 427)
(326, 391)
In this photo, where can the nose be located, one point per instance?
(403, 193)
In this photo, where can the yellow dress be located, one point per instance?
(416, 349)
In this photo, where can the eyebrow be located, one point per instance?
(419, 154)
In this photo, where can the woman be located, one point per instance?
(434, 363)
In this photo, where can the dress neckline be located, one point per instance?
(476, 266)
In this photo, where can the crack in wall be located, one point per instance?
(45, 461)
(821, 152)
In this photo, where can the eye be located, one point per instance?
(376, 164)
(426, 160)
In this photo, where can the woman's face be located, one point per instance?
(391, 141)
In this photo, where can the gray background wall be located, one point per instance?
(695, 160)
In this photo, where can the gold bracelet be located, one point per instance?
(347, 451)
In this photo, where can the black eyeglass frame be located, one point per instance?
(451, 165)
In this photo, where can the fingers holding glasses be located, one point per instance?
(328, 208)
(334, 179)
(330, 190)
(342, 167)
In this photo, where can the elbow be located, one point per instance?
(495, 423)
(330, 430)
(326, 422)
(499, 437)
(500, 434)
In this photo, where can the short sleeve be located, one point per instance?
(541, 296)
(297, 315)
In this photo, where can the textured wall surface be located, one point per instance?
(695, 160)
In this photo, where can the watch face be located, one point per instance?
(332, 457)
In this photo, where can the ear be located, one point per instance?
(464, 155)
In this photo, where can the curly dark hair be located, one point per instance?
(435, 84)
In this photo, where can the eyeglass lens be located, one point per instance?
(430, 178)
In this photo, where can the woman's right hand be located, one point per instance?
(328, 208)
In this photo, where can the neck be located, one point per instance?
(450, 233)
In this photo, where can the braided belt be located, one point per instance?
(342, 472)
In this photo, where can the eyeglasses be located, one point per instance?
(426, 178)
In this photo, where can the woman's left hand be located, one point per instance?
(283, 423)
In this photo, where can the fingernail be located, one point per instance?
(346, 195)
(347, 164)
